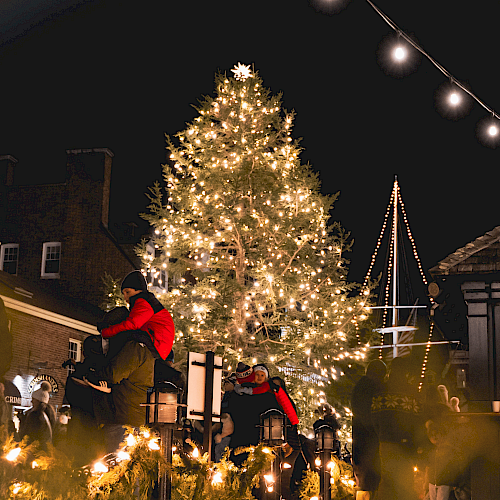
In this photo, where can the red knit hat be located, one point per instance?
(244, 373)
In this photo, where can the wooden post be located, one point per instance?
(207, 411)
(166, 436)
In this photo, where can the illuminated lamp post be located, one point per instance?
(325, 443)
(273, 433)
(161, 414)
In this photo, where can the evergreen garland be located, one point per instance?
(342, 485)
(27, 473)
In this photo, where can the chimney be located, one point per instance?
(7, 164)
(95, 164)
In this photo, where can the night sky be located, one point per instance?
(120, 75)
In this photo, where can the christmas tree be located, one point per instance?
(255, 271)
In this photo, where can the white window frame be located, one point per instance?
(3, 249)
(77, 352)
(45, 251)
(156, 286)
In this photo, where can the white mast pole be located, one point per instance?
(395, 268)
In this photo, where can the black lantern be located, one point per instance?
(162, 404)
(161, 411)
(272, 428)
(325, 438)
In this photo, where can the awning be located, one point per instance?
(12, 394)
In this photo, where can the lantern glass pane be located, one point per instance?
(276, 427)
(167, 413)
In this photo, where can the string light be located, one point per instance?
(400, 55)
(12, 455)
(493, 130)
(454, 98)
(396, 204)
(426, 357)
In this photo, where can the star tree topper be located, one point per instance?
(242, 72)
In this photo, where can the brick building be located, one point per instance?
(55, 248)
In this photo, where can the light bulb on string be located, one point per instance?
(451, 102)
(396, 57)
(492, 130)
(399, 53)
(454, 99)
(488, 132)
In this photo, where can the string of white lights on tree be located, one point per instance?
(454, 99)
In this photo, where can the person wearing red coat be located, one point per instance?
(148, 319)
(145, 335)
(274, 385)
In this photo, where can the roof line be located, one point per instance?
(48, 315)
(464, 252)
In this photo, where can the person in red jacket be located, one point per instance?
(148, 323)
(262, 383)
(148, 319)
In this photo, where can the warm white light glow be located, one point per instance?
(123, 455)
(13, 454)
(493, 130)
(153, 444)
(399, 53)
(454, 98)
(217, 478)
(195, 453)
(100, 468)
(131, 440)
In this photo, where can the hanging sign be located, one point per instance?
(40, 378)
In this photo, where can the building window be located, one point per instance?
(156, 278)
(9, 254)
(51, 260)
(74, 353)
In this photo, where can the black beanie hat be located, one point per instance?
(135, 280)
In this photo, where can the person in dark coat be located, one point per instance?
(131, 374)
(398, 419)
(36, 424)
(5, 412)
(245, 410)
(261, 384)
(89, 408)
(365, 443)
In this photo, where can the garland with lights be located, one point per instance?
(342, 482)
(457, 88)
(26, 473)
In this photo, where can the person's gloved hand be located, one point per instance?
(273, 385)
(293, 437)
(101, 325)
(240, 390)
